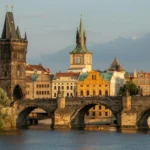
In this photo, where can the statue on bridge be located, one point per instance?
(140, 91)
(60, 93)
(75, 92)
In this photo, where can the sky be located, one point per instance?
(51, 24)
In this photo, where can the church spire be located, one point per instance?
(81, 40)
(9, 27)
(18, 32)
(81, 34)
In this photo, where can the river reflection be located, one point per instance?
(35, 139)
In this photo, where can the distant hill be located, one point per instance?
(131, 54)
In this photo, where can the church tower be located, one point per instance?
(13, 49)
(80, 57)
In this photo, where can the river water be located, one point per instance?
(45, 139)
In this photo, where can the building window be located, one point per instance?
(37, 85)
(93, 107)
(5, 74)
(18, 71)
(55, 94)
(47, 85)
(37, 92)
(100, 114)
(47, 92)
(87, 85)
(71, 87)
(106, 113)
(106, 93)
(58, 87)
(100, 107)
(67, 94)
(87, 93)
(81, 93)
(93, 77)
(67, 87)
(54, 87)
(62, 87)
(94, 93)
(93, 113)
(100, 92)
(81, 85)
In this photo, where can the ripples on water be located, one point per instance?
(74, 140)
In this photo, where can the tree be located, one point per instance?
(130, 87)
(4, 101)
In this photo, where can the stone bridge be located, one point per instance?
(69, 112)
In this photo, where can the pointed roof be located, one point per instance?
(18, 32)
(25, 36)
(81, 40)
(116, 66)
(9, 27)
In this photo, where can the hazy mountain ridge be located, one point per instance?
(131, 54)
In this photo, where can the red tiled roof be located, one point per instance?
(67, 74)
(37, 67)
(148, 74)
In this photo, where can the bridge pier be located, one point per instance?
(128, 117)
(62, 114)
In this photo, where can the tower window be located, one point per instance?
(5, 74)
(18, 71)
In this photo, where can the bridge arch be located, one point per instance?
(21, 121)
(77, 116)
(143, 117)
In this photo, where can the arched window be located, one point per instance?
(94, 93)
(100, 92)
(106, 93)
(87, 93)
(81, 93)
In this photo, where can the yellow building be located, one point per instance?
(94, 83)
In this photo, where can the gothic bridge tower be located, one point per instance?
(80, 57)
(13, 49)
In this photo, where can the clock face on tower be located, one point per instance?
(78, 60)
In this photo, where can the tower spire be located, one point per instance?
(18, 32)
(9, 30)
(25, 35)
